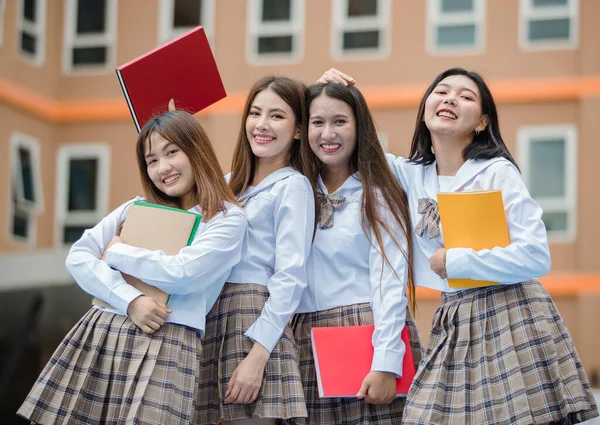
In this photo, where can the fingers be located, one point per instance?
(164, 306)
(254, 395)
(146, 329)
(233, 395)
(161, 312)
(362, 392)
(335, 76)
(230, 387)
(171, 105)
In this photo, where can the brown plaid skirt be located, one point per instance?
(345, 411)
(225, 346)
(107, 371)
(499, 355)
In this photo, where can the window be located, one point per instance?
(548, 158)
(275, 31)
(455, 26)
(549, 24)
(31, 21)
(2, 6)
(179, 16)
(26, 187)
(82, 189)
(90, 35)
(361, 28)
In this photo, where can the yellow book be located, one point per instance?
(155, 227)
(474, 220)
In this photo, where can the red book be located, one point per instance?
(184, 69)
(343, 357)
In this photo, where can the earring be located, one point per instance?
(476, 133)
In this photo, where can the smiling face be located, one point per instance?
(168, 167)
(332, 131)
(454, 108)
(271, 127)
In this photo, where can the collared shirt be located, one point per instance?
(281, 211)
(528, 255)
(346, 267)
(194, 277)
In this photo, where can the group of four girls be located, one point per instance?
(317, 226)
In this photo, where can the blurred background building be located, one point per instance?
(67, 138)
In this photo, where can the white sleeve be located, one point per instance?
(213, 252)
(93, 274)
(294, 218)
(398, 166)
(528, 254)
(388, 295)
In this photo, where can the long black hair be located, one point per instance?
(485, 145)
(380, 187)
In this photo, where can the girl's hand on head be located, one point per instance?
(148, 314)
(245, 383)
(335, 76)
(171, 106)
(437, 262)
(378, 388)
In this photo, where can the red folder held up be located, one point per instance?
(183, 69)
(343, 357)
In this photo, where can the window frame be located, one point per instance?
(36, 30)
(2, 9)
(436, 18)
(256, 29)
(166, 31)
(30, 209)
(527, 135)
(106, 39)
(342, 23)
(528, 12)
(95, 150)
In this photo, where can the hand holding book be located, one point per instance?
(378, 388)
(148, 314)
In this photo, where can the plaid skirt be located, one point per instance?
(499, 355)
(107, 371)
(344, 411)
(224, 347)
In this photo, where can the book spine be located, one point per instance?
(129, 104)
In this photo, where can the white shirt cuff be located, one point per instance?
(121, 296)
(387, 361)
(457, 263)
(264, 333)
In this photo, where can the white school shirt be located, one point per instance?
(194, 277)
(281, 212)
(345, 268)
(528, 255)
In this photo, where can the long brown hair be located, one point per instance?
(369, 160)
(244, 161)
(182, 129)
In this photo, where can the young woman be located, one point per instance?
(138, 362)
(499, 354)
(249, 365)
(359, 269)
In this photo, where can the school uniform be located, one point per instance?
(106, 370)
(499, 354)
(349, 284)
(259, 299)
